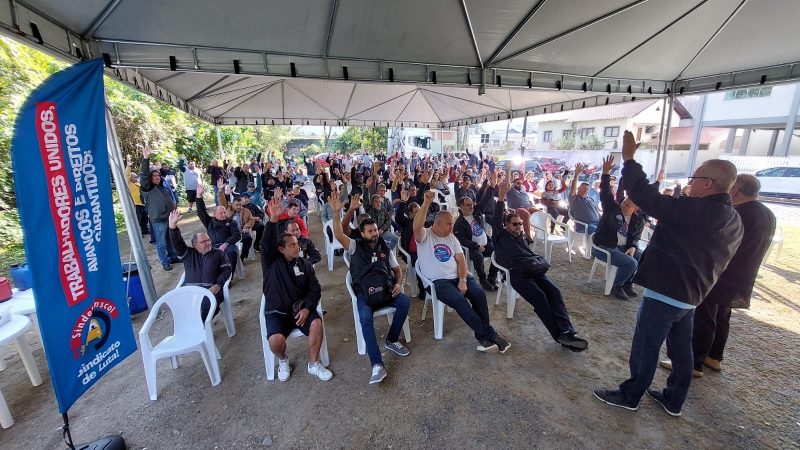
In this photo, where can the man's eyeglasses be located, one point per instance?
(515, 224)
(691, 179)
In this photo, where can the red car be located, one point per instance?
(320, 160)
(552, 165)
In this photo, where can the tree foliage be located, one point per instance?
(354, 139)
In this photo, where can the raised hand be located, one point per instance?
(200, 189)
(629, 146)
(275, 208)
(429, 195)
(174, 217)
(146, 151)
(335, 202)
(579, 167)
(608, 163)
(355, 202)
(220, 182)
(661, 176)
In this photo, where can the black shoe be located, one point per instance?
(658, 396)
(615, 398)
(571, 340)
(338, 252)
(628, 288)
(487, 347)
(257, 247)
(168, 267)
(617, 291)
(488, 287)
(502, 343)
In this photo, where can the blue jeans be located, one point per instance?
(474, 312)
(216, 195)
(164, 248)
(656, 322)
(401, 303)
(592, 227)
(626, 265)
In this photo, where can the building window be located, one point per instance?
(611, 132)
(568, 133)
(586, 132)
(738, 94)
(547, 136)
(650, 130)
(485, 138)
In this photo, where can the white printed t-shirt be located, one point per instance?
(437, 256)
(478, 233)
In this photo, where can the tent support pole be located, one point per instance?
(129, 211)
(696, 134)
(660, 137)
(666, 136)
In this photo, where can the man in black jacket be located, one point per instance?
(259, 214)
(223, 230)
(470, 229)
(694, 241)
(618, 233)
(511, 251)
(735, 286)
(292, 294)
(307, 248)
(203, 265)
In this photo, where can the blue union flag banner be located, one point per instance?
(63, 186)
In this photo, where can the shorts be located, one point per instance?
(284, 324)
(191, 196)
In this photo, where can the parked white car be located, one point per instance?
(780, 181)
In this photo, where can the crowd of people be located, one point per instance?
(707, 243)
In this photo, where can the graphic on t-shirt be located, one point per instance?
(477, 229)
(442, 252)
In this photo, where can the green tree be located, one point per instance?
(565, 143)
(591, 142)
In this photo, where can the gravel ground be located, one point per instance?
(445, 395)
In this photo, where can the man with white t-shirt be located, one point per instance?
(470, 229)
(443, 262)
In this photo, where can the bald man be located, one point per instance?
(694, 241)
(442, 261)
(735, 286)
(223, 230)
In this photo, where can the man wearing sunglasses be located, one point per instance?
(694, 241)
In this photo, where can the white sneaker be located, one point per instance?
(284, 371)
(318, 370)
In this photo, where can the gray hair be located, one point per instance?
(748, 185)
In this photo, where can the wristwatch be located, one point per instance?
(463, 279)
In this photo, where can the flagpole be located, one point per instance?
(129, 211)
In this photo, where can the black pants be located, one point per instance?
(206, 305)
(546, 300)
(477, 261)
(259, 229)
(142, 218)
(555, 211)
(231, 252)
(247, 242)
(711, 326)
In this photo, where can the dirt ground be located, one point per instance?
(446, 394)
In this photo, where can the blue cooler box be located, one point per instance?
(133, 288)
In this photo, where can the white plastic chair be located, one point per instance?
(411, 274)
(776, 245)
(251, 255)
(331, 244)
(511, 294)
(346, 257)
(611, 270)
(470, 264)
(584, 235)
(437, 306)
(227, 308)
(644, 239)
(190, 334)
(387, 311)
(541, 224)
(239, 271)
(269, 357)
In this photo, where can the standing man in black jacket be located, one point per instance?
(618, 233)
(204, 265)
(223, 230)
(292, 293)
(735, 286)
(694, 241)
(512, 252)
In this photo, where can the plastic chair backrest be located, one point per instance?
(346, 256)
(184, 303)
(540, 220)
(348, 281)
(330, 239)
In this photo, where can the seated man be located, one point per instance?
(242, 216)
(619, 232)
(292, 211)
(442, 261)
(404, 216)
(375, 286)
(258, 214)
(470, 229)
(292, 293)
(520, 202)
(204, 265)
(581, 206)
(222, 230)
(382, 215)
(537, 289)
(307, 248)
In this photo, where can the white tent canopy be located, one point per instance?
(415, 62)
